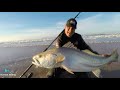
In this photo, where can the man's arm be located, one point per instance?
(83, 45)
(58, 42)
(61, 40)
(89, 48)
(92, 50)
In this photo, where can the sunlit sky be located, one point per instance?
(37, 25)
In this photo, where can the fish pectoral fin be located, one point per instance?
(97, 72)
(67, 69)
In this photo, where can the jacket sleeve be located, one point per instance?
(59, 42)
(84, 46)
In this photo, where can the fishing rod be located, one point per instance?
(44, 51)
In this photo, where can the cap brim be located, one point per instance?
(70, 25)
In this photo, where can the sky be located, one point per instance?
(37, 25)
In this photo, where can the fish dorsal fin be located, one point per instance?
(89, 52)
(59, 58)
(67, 69)
(97, 73)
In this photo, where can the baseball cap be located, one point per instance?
(71, 23)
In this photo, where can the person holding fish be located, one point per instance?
(73, 40)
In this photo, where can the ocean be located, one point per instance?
(16, 56)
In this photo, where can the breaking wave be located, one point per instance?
(102, 38)
(23, 43)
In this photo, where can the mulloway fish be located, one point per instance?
(73, 60)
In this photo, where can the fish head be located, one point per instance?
(44, 60)
(48, 59)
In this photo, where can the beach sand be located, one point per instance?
(18, 67)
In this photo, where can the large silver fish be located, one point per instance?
(73, 60)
